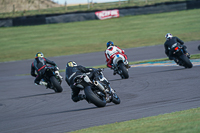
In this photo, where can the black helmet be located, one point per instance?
(39, 54)
(71, 64)
(110, 43)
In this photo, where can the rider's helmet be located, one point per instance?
(71, 64)
(110, 43)
(168, 35)
(39, 54)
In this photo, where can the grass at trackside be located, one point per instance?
(19, 43)
(186, 121)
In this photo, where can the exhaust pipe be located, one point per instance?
(100, 86)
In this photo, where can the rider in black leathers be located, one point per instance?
(72, 70)
(39, 65)
(170, 40)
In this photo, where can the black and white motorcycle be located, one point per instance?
(99, 93)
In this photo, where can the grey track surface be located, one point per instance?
(149, 91)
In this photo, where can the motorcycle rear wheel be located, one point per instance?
(57, 86)
(94, 98)
(187, 62)
(124, 74)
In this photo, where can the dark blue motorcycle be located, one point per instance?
(178, 53)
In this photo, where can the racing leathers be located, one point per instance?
(39, 65)
(110, 53)
(72, 73)
(168, 44)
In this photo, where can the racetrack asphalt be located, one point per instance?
(149, 91)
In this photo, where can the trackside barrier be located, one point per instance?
(6, 23)
(29, 20)
(71, 18)
(92, 15)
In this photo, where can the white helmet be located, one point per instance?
(168, 35)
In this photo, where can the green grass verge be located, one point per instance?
(186, 121)
(19, 43)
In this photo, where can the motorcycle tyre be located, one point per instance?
(124, 71)
(94, 98)
(57, 86)
(187, 62)
(116, 100)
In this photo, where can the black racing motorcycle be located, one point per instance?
(99, 93)
(178, 53)
(54, 81)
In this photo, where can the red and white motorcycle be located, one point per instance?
(121, 66)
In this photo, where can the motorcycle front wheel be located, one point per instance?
(116, 99)
(56, 85)
(94, 98)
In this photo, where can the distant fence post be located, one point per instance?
(39, 5)
(65, 5)
(92, 4)
(14, 9)
(119, 3)
(88, 4)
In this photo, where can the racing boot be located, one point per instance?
(177, 61)
(114, 72)
(43, 83)
(127, 66)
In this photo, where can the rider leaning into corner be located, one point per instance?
(72, 71)
(110, 53)
(170, 40)
(39, 65)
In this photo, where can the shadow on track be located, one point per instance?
(74, 110)
(34, 95)
(178, 69)
(116, 79)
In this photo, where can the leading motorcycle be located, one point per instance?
(99, 93)
(178, 53)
